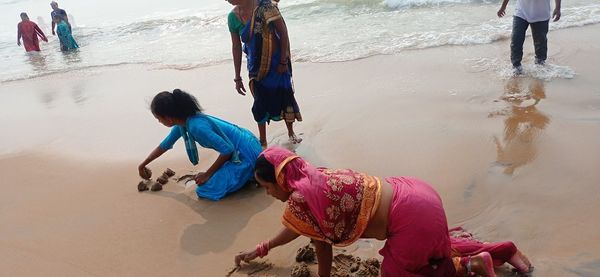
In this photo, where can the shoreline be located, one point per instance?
(186, 67)
(513, 158)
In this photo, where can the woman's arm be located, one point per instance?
(283, 45)
(236, 51)
(324, 257)
(19, 34)
(145, 172)
(284, 236)
(41, 33)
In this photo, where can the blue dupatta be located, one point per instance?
(190, 143)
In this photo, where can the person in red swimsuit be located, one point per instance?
(29, 31)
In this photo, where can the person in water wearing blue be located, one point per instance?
(238, 148)
(67, 42)
(60, 12)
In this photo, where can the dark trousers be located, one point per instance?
(539, 30)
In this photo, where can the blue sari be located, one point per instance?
(225, 138)
(67, 42)
(273, 92)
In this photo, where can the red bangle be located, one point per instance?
(262, 249)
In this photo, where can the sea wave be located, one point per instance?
(320, 31)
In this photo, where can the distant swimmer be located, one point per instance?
(29, 32)
(60, 12)
(67, 42)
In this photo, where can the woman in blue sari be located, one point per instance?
(63, 30)
(258, 24)
(238, 148)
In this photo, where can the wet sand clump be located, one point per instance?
(156, 187)
(300, 270)
(306, 254)
(163, 179)
(169, 172)
(142, 186)
(351, 266)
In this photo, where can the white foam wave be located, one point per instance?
(395, 4)
(505, 70)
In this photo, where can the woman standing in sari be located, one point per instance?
(260, 27)
(29, 32)
(337, 207)
(63, 30)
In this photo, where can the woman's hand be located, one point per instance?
(202, 178)
(245, 256)
(239, 86)
(144, 172)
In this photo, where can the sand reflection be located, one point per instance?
(523, 125)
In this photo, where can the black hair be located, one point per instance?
(178, 104)
(24, 14)
(264, 169)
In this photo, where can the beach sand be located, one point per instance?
(513, 158)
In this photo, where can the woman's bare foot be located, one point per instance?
(482, 264)
(521, 262)
(294, 139)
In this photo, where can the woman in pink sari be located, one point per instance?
(337, 207)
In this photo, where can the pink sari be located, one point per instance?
(334, 206)
(418, 243)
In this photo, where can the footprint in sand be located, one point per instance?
(253, 268)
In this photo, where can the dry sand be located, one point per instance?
(514, 159)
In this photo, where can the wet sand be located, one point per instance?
(512, 158)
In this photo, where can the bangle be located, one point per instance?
(262, 249)
(237, 79)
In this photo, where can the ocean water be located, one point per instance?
(186, 34)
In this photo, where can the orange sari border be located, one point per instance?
(280, 176)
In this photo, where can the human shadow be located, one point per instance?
(224, 218)
(523, 124)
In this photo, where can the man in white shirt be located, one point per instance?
(537, 14)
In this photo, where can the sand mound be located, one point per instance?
(300, 271)
(351, 266)
(306, 254)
